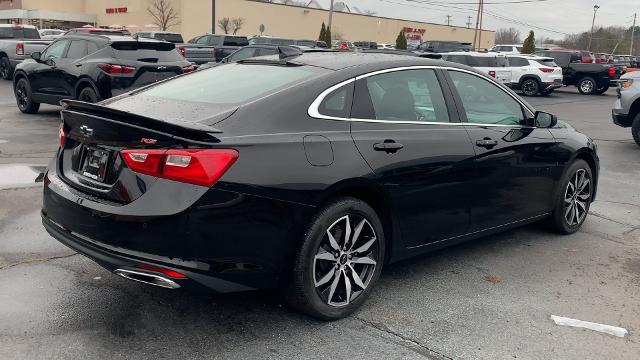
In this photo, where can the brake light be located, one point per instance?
(116, 69)
(62, 137)
(20, 49)
(182, 51)
(492, 73)
(168, 272)
(612, 72)
(546, 70)
(193, 166)
(188, 69)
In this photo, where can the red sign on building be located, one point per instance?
(116, 10)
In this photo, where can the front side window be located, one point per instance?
(410, 95)
(55, 51)
(484, 102)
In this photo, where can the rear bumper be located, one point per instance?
(116, 258)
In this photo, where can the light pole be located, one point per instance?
(330, 20)
(595, 10)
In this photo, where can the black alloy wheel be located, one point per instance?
(587, 86)
(88, 95)
(5, 68)
(23, 97)
(575, 198)
(340, 260)
(530, 87)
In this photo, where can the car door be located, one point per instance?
(514, 161)
(404, 126)
(70, 66)
(45, 79)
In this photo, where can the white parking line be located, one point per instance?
(607, 329)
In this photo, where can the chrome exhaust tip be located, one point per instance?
(147, 278)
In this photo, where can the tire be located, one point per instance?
(635, 129)
(530, 87)
(587, 86)
(89, 95)
(322, 264)
(546, 92)
(565, 220)
(24, 100)
(602, 90)
(6, 71)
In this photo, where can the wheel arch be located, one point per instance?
(84, 82)
(375, 196)
(634, 110)
(530, 76)
(19, 74)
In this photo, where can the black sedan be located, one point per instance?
(92, 68)
(307, 173)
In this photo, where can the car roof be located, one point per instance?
(475, 53)
(18, 26)
(342, 60)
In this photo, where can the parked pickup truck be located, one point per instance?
(588, 77)
(17, 42)
(210, 48)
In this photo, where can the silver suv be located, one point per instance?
(626, 111)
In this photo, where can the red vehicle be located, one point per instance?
(97, 31)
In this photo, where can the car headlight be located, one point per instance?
(626, 83)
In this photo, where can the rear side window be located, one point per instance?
(77, 49)
(231, 84)
(203, 40)
(518, 61)
(410, 95)
(235, 41)
(92, 47)
(485, 61)
(338, 102)
(6, 33)
(146, 51)
(460, 59)
(19, 33)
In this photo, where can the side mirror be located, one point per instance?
(545, 120)
(36, 55)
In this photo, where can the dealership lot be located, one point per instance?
(487, 299)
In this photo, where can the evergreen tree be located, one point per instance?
(529, 46)
(327, 38)
(323, 33)
(401, 41)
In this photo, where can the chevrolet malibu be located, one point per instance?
(307, 173)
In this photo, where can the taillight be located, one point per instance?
(213, 50)
(612, 72)
(20, 49)
(188, 69)
(193, 166)
(116, 69)
(492, 73)
(182, 51)
(168, 272)
(546, 70)
(62, 137)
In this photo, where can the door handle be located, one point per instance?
(487, 143)
(389, 146)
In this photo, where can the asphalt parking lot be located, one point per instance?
(487, 299)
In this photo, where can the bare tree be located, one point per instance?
(236, 24)
(224, 24)
(163, 14)
(508, 36)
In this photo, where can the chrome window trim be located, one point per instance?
(313, 110)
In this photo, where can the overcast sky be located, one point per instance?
(552, 17)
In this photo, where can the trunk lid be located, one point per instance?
(90, 159)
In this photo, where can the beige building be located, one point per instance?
(198, 17)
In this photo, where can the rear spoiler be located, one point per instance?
(188, 130)
(147, 44)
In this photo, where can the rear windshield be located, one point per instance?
(485, 61)
(19, 33)
(172, 38)
(231, 84)
(108, 32)
(146, 51)
(547, 62)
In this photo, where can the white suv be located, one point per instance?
(534, 75)
(492, 64)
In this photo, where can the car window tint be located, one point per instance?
(173, 38)
(484, 102)
(411, 95)
(92, 47)
(265, 51)
(243, 54)
(235, 41)
(518, 61)
(203, 40)
(338, 102)
(547, 62)
(77, 49)
(55, 50)
(231, 84)
(460, 59)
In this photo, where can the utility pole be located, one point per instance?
(448, 20)
(595, 9)
(330, 19)
(480, 29)
(475, 33)
(633, 30)
(469, 22)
